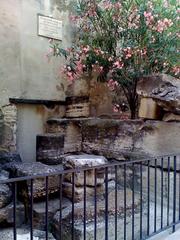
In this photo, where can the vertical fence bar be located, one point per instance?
(141, 199)
(31, 211)
(46, 217)
(60, 207)
(174, 196)
(14, 210)
(148, 198)
(84, 205)
(162, 200)
(95, 204)
(106, 203)
(115, 202)
(133, 201)
(73, 200)
(168, 191)
(155, 196)
(124, 201)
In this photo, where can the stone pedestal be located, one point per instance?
(82, 161)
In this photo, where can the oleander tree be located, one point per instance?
(122, 41)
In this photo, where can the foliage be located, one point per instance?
(123, 41)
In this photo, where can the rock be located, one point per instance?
(79, 214)
(24, 234)
(149, 109)
(39, 211)
(5, 191)
(6, 159)
(39, 188)
(4, 175)
(171, 117)
(163, 89)
(6, 215)
(79, 191)
(50, 148)
(84, 160)
(5, 195)
(77, 107)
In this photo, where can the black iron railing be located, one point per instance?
(145, 202)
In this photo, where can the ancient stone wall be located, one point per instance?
(8, 128)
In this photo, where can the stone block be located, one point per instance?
(50, 148)
(39, 184)
(79, 191)
(110, 138)
(77, 107)
(82, 161)
(164, 89)
(117, 139)
(149, 109)
(71, 128)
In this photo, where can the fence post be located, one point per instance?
(174, 196)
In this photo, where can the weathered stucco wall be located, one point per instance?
(24, 70)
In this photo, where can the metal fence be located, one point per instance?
(145, 202)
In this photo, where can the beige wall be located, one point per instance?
(24, 71)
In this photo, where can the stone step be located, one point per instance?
(50, 148)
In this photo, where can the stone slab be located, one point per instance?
(39, 187)
(83, 161)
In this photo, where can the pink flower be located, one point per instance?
(149, 18)
(86, 49)
(176, 70)
(163, 25)
(112, 84)
(128, 52)
(118, 64)
(116, 108)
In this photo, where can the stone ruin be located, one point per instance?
(79, 140)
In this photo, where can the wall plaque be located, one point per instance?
(49, 27)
